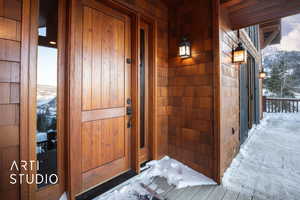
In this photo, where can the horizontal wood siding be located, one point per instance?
(10, 52)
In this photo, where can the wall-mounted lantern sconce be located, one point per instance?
(184, 48)
(262, 74)
(239, 54)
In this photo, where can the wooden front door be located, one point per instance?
(104, 93)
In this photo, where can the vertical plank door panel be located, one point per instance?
(104, 138)
(97, 60)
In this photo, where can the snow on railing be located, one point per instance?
(281, 105)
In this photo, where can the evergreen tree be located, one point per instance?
(282, 79)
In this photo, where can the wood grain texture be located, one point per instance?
(10, 50)
(247, 12)
(4, 93)
(11, 194)
(7, 156)
(102, 70)
(14, 93)
(9, 135)
(9, 71)
(9, 93)
(144, 154)
(74, 108)
(11, 9)
(9, 114)
(23, 74)
(102, 75)
(229, 77)
(103, 79)
(190, 87)
(10, 29)
(102, 138)
(91, 145)
(27, 89)
(102, 114)
(102, 142)
(230, 90)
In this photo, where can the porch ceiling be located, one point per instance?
(243, 13)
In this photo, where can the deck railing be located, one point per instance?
(281, 105)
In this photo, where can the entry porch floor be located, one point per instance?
(267, 167)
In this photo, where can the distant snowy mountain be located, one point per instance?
(45, 94)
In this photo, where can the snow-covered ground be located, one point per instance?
(174, 172)
(268, 165)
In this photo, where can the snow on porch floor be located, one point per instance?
(268, 164)
(161, 177)
(267, 167)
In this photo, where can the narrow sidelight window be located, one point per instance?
(47, 87)
(142, 89)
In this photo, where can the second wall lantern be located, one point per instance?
(262, 74)
(239, 54)
(184, 48)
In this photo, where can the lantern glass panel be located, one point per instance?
(240, 56)
(262, 75)
(188, 51)
(182, 50)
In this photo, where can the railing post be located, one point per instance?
(280, 105)
(264, 103)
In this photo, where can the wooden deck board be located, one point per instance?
(217, 194)
(230, 195)
(244, 197)
(188, 194)
(169, 192)
(175, 193)
(203, 192)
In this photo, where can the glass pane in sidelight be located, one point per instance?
(46, 112)
(142, 89)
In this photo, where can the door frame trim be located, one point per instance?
(28, 98)
(152, 87)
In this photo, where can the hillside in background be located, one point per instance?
(283, 73)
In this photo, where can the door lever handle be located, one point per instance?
(129, 123)
(129, 110)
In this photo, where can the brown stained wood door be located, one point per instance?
(105, 88)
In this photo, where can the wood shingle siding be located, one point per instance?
(190, 88)
(10, 51)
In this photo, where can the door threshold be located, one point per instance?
(101, 189)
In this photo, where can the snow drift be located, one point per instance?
(175, 172)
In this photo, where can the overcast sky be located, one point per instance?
(290, 34)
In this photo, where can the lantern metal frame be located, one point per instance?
(241, 50)
(185, 48)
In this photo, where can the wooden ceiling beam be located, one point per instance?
(262, 11)
(230, 3)
(270, 38)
